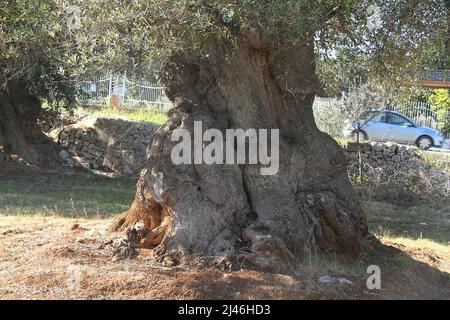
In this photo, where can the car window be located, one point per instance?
(396, 119)
(376, 117)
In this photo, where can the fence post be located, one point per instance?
(124, 86)
(110, 85)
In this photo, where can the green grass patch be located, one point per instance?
(342, 141)
(438, 160)
(415, 220)
(420, 229)
(68, 194)
(141, 114)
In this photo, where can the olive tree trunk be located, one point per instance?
(233, 210)
(19, 133)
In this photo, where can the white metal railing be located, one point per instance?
(421, 113)
(134, 94)
(130, 94)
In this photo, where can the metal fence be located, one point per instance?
(435, 75)
(422, 114)
(122, 92)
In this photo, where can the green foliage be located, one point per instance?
(408, 94)
(37, 47)
(412, 35)
(368, 96)
(440, 102)
(440, 99)
(343, 71)
(329, 118)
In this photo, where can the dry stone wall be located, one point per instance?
(108, 144)
(390, 171)
(378, 155)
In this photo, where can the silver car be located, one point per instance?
(385, 125)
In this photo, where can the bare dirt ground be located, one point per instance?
(53, 258)
(43, 256)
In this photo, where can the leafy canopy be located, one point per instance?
(383, 37)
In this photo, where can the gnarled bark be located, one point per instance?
(19, 132)
(233, 210)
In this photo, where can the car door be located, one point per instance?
(375, 125)
(400, 129)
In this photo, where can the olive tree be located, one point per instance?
(251, 64)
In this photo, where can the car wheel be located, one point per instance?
(362, 136)
(424, 143)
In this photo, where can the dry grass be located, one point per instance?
(38, 256)
(434, 254)
(40, 249)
